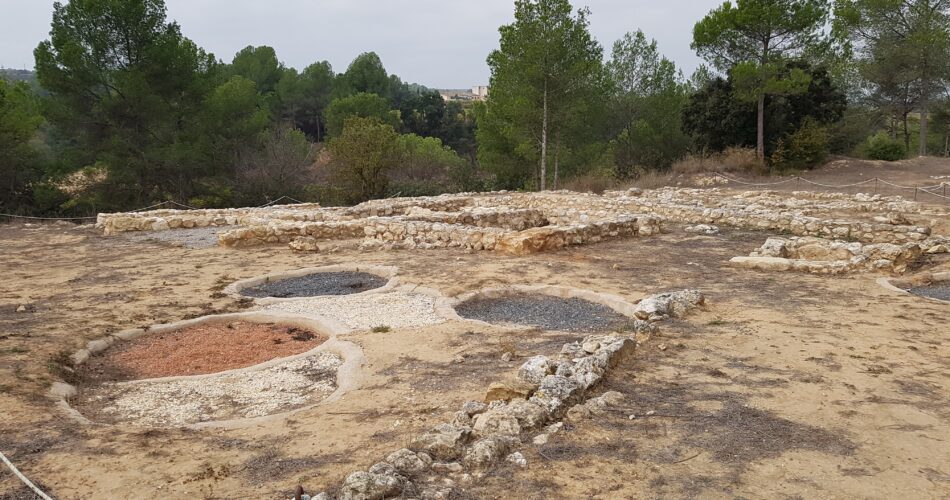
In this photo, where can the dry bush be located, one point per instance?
(595, 182)
(734, 160)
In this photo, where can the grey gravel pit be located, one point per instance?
(317, 284)
(544, 311)
(941, 291)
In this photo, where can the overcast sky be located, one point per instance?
(437, 43)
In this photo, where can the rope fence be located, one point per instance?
(21, 477)
(876, 180)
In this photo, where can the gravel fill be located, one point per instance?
(941, 291)
(547, 312)
(198, 350)
(275, 389)
(313, 285)
(198, 237)
(394, 309)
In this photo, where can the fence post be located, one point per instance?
(875, 185)
(915, 192)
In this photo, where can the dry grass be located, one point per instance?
(735, 160)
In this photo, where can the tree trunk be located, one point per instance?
(906, 132)
(557, 151)
(544, 138)
(924, 112)
(760, 129)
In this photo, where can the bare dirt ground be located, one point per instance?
(787, 386)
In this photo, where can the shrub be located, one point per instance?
(882, 147)
(803, 148)
(734, 159)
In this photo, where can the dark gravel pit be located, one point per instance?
(547, 312)
(313, 285)
(941, 291)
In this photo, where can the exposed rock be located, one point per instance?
(489, 450)
(674, 304)
(535, 369)
(444, 442)
(447, 467)
(474, 407)
(529, 414)
(304, 244)
(500, 391)
(518, 459)
(369, 486)
(706, 229)
(496, 422)
(406, 461)
(560, 388)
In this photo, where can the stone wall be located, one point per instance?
(823, 256)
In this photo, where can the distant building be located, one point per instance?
(480, 92)
(476, 93)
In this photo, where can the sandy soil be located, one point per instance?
(788, 385)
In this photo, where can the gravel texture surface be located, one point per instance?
(941, 291)
(198, 237)
(394, 309)
(241, 395)
(547, 312)
(201, 349)
(312, 285)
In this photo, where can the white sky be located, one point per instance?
(440, 44)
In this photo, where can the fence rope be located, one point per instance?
(278, 199)
(143, 209)
(925, 189)
(23, 478)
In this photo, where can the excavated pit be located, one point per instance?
(939, 291)
(317, 284)
(544, 311)
(198, 350)
(208, 372)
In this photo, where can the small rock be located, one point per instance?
(499, 391)
(489, 450)
(506, 357)
(590, 347)
(535, 369)
(447, 467)
(518, 459)
(304, 244)
(541, 439)
(406, 461)
(368, 486)
(21, 308)
(496, 422)
(474, 407)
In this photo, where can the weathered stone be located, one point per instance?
(489, 450)
(304, 244)
(496, 422)
(444, 442)
(535, 369)
(528, 413)
(406, 461)
(368, 486)
(518, 459)
(500, 391)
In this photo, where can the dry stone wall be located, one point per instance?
(530, 222)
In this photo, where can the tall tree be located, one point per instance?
(365, 74)
(260, 65)
(304, 98)
(362, 105)
(753, 37)
(910, 36)
(647, 106)
(19, 121)
(547, 68)
(124, 86)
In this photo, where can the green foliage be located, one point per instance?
(19, 160)
(304, 98)
(804, 148)
(750, 40)
(367, 75)
(126, 88)
(647, 107)
(260, 65)
(359, 105)
(717, 119)
(363, 155)
(882, 147)
(548, 92)
(904, 53)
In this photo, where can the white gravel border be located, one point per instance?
(347, 375)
